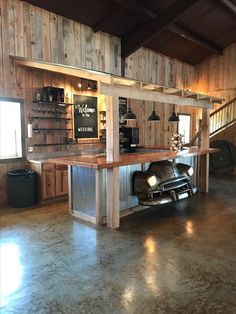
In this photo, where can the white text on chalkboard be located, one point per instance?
(84, 110)
(85, 129)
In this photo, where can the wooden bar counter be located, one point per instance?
(98, 161)
(88, 179)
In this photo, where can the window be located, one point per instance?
(10, 129)
(184, 127)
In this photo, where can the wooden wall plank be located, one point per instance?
(217, 75)
(53, 37)
(27, 31)
(1, 52)
(68, 41)
(77, 44)
(46, 35)
(19, 33)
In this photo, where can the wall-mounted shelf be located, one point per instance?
(54, 144)
(58, 103)
(50, 129)
(50, 118)
(52, 123)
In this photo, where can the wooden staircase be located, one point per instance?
(222, 124)
(223, 119)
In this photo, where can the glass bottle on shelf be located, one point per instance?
(58, 97)
(67, 98)
(38, 95)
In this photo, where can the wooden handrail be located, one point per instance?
(222, 127)
(224, 106)
(194, 138)
(198, 133)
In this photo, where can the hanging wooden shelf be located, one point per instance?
(51, 129)
(58, 103)
(49, 118)
(54, 144)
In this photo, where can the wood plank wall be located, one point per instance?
(214, 76)
(146, 65)
(217, 75)
(32, 32)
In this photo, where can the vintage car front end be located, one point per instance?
(163, 182)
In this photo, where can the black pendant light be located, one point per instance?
(173, 117)
(129, 115)
(153, 116)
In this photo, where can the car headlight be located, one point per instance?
(152, 181)
(190, 171)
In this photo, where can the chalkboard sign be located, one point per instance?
(122, 109)
(85, 117)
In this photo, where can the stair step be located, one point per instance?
(228, 125)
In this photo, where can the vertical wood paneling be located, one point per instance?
(46, 35)
(217, 75)
(32, 32)
(53, 37)
(5, 48)
(69, 41)
(77, 44)
(19, 33)
(1, 52)
(39, 45)
(147, 65)
(27, 32)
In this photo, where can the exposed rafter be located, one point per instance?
(145, 13)
(194, 38)
(125, 6)
(230, 5)
(144, 34)
(140, 10)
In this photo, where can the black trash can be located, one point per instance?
(21, 187)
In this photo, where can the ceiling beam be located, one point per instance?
(140, 36)
(195, 38)
(141, 11)
(149, 95)
(230, 5)
(116, 15)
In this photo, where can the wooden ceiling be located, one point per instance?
(190, 30)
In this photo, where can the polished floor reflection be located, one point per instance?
(170, 259)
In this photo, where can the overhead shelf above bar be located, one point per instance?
(109, 84)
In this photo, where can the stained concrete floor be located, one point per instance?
(172, 259)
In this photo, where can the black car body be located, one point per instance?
(163, 182)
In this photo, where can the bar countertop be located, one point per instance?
(98, 161)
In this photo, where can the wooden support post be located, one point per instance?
(112, 128)
(70, 188)
(204, 159)
(112, 147)
(98, 197)
(113, 198)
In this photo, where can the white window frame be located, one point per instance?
(190, 122)
(20, 143)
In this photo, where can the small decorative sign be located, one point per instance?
(122, 109)
(85, 116)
